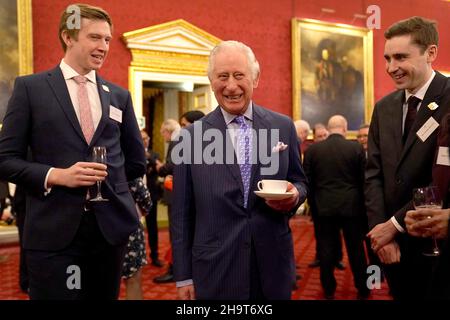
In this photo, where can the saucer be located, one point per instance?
(274, 195)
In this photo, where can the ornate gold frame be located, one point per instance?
(155, 58)
(25, 33)
(340, 29)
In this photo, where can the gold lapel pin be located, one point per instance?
(433, 106)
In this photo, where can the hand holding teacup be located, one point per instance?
(280, 186)
(273, 186)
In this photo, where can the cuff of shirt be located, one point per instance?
(47, 190)
(184, 283)
(397, 225)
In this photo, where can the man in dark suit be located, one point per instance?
(151, 219)
(402, 140)
(227, 242)
(335, 171)
(74, 247)
(428, 223)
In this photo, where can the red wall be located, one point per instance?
(265, 25)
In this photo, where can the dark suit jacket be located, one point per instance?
(41, 116)
(152, 176)
(393, 170)
(335, 171)
(211, 230)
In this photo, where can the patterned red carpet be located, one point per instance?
(308, 286)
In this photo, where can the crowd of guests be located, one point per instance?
(226, 241)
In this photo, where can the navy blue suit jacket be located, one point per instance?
(211, 230)
(41, 116)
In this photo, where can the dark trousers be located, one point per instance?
(411, 278)
(152, 230)
(89, 259)
(23, 270)
(329, 237)
(316, 235)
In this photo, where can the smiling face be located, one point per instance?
(231, 80)
(363, 133)
(320, 134)
(89, 50)
(406, 64)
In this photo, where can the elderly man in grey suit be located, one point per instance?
(227, 242)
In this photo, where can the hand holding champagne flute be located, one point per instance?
(99, 156)
(427, 202)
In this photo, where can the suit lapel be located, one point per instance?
(58, 84)
(217, 121)
(259, 123)
(433, 94)
(105, 99)
(397, 120)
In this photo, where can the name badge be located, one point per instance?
(115, 114)
(427, 129)
(443, 157)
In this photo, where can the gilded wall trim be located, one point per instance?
(25, 32)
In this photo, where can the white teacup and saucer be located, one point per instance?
(273, 190)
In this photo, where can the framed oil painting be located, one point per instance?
(332, 72)
(16, 47)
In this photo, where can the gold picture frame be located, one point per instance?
(332, 72)
(16, 53)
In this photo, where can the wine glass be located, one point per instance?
(99, 156)
(428, 198)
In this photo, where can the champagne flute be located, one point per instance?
(99, 156)
(428, 198)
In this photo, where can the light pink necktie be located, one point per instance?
(86, 122)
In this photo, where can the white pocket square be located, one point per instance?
(279, 147)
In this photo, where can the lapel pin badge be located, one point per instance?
(105, 88)
(433, 106)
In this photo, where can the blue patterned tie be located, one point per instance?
(244, 145)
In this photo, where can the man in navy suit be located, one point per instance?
(227, 242)
(401, 146)
(74, 247)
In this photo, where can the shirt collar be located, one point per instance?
(421, 92)
(248, 114)
(68, 72)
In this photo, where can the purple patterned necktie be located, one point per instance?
(244, 145)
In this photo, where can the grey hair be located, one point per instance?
(171, 125)
(303, 124)
(253, 63)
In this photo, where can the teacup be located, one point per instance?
(273, 186)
